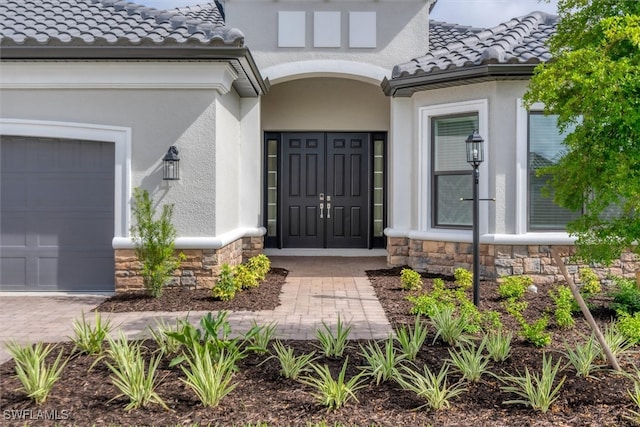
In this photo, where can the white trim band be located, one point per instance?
(216, 242)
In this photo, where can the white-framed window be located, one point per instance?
(450, 172)
(445, 175)
(539, 144)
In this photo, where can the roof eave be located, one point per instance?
(238, 54)
(407, 86)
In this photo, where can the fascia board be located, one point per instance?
(455, 77)
(117, 75)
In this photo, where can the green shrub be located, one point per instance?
(259, 265)
(564, 301)
(535, 332)
(245, 278)
(514, 287)
(629, 327)
(225, 288)
(426, 304)
(464, 278)
(154, 242)
(626, 296)
(410, 280)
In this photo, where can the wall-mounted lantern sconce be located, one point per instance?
(171, 165)
(475, 151)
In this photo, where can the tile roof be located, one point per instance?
(206, 12)
(518, 41)
(109, 23)
(442, 34)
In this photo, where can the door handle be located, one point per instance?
(328, 211)
(321, 210)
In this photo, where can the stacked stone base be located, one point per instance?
(200, 269)
(499, 260)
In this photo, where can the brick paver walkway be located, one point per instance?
(317, 289)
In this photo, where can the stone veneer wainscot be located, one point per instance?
(498, 260)
(199, 270)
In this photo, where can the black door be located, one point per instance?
(325, 190)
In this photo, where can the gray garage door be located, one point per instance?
(56, 214)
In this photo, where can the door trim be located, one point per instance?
(272, 196)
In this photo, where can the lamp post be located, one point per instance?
(475, 156)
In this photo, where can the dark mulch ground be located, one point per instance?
(265, 297)
(83, 396)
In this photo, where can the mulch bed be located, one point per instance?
(264, 297)
(85, 397)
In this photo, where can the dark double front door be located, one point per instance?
(325, 196)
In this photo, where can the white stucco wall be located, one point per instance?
(401, 31)
(499, 172)
(330, 104)
(186, 105)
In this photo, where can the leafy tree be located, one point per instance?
(593, 83)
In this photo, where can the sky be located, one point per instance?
(478, 13)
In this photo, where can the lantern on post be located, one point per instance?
(475, 156)
(171, 165)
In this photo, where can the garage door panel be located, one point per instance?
(79, 232)
(76, 192)
(57, 215)
(13, 271)
(13, 192)
(14, 229)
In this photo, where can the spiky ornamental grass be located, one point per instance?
(334, 345)
(498, 344)
(536, 390)
(582, 356)
(412, 339)
(131, 376)
(432, 387)
(381, 364)
(90, 338)
(330, 392)
(449, 327)
(36, 376)
(292, 366)
(469, 361)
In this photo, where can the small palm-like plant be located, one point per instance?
(258, 337)
(36, 376)
(536, 390)
(411, 340)
(381, 364)
(449, 327)
(430, 386)
(498, 344)
(292, 366)
(470, 361)
(330, 392)
(167, 344)
(89, 338)
(615, 340)
(334, 345)
(130, 373)
(208, 376)
(635, 397)
(583, 356)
